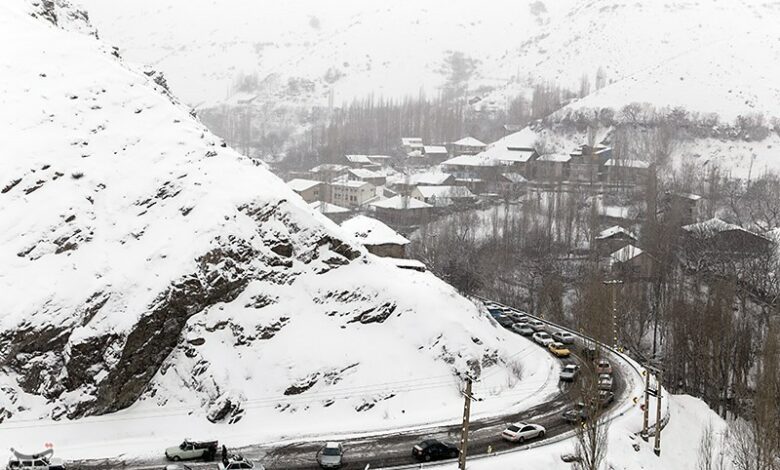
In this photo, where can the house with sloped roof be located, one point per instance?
(335, 213)
(718, 240)
(369, 176)
(402, 211)
(444, 196)
(309, 190)
(466, 146)
(625, 171)
(376, 236)
(552, 167)
(435, 154)
(631, 262)
(613, 239)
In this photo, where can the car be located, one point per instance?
(177, 466)
(542, 338)
(521, 432)
(558, 349)
(237, 462)
(563, 337)
(589, 351)
(41, 461)
(569, 372)
(605, 381)
(522, 329)
(331, 455)
(603, 367)
(519, 317)
(576, 414)
(191, 450)
(434, 449)
(537, 325)
(605, 398)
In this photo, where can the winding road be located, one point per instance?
(394, 449)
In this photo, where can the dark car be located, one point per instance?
(433, 449)
(576, 414)
(605, 397)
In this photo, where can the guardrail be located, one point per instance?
(560, 437)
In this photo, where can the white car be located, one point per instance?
(522, 329)
(521, 432)
(239, 463)
(543, 338)
(563, 337)
(537, 325)
(331, 455)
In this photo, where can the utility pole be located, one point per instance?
(614, 284)
(464, 432)
(646, 411)
(657, 448)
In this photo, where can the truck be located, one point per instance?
(191, 450)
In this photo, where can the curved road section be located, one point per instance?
(393, 450)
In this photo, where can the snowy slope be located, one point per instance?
(368, 46)
(147, 265)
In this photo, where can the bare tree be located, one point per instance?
(592, 430)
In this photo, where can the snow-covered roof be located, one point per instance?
(301, 184)
(381, 158)
(332, 167)
(350, 183)
(415, 142)
(445, 191)
(405, 263)
(328, 208)
(363, 173)
(435, 149)
(428, 178)
(362, 159)
(401, 202)
(513, 154)
(554, 158)
(480, 159)
(627, 253)
(515, 177)
(469, 142)
(715, 225)
(627, 163)
(369, 231)
(614, 230)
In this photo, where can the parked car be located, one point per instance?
(41, 461)
(605, 381)
(504, 321)
(542, 338)
(569, 372)
(177, 466)
(519, 317)
(331, 455)
(589, 351)
(434, 449)
(563, 337)
(191, 450)
(522, 329)
(558, 349)
(521, 432)
(237, 462)
(603, 367)
(537, 325)
(576, 414)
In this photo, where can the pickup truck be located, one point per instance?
(42, 461)
(191, 450)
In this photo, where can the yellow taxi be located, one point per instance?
(559, 349)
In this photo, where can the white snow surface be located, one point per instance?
(112, 191)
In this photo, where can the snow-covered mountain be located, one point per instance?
(147, 264)
(706, 55)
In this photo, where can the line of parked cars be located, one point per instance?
(329, 456)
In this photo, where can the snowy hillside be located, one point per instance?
(709, 56)
(354, 47)
(147, 265)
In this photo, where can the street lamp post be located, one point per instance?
(614, 283)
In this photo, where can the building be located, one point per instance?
(552, 167)
(510, 183)
(361, 161)
(631, 172)
(309, 190)
(362, 174)
(381, 160)
(328, 171)
(335, 213)
(378, 238)
(631, 262)
(686, 207)
(467, 146)
(404, 184)
(613, 239)
(351, 194)
(435, 154)
(444, 196)
(716, 239)
(412, 144)
(402, 211)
